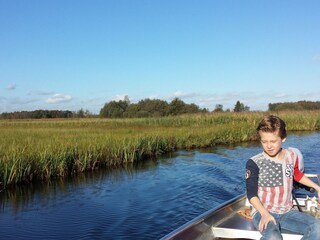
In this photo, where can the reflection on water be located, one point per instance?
(21, 196)
(140, 201)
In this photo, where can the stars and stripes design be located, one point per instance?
(271, 174)
(274, 184)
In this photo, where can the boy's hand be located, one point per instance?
(265, 219)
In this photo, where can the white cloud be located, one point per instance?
(281, 95)
(120, 97)
(180, 94)
(11, 86)
(59, 98)
(40, 92)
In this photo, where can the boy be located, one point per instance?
(269, 183)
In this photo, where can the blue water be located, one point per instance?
(146, 201)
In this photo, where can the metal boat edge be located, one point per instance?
(200, 227)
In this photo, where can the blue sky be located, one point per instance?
(73, 54)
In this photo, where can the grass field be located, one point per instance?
(44, 149)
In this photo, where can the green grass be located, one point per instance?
(44, 149)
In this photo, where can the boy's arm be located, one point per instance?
(252, 175)
(301, 178)
(308, 182)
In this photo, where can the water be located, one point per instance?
(140, 202)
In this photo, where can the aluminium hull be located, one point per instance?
(225, 221)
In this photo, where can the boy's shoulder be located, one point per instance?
(294, 150)
(297, 156)
(258, 157)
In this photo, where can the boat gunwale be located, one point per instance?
(201, 218)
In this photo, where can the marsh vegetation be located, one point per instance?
(48, 148)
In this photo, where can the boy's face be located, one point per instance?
(271, 143)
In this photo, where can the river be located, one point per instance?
(145, 201)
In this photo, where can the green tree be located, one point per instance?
(218, 108)
(240, 107)
(132, 110)
(176, 107)
(153, 107)
(114, 109)
(192, 108)
(80, 113)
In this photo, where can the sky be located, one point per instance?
(81, 54)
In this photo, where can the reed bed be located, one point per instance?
(44, 149)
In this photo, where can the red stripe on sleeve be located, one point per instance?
(297, 173)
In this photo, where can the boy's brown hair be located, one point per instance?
(272, 124)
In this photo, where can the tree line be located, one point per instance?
(158, 108)
(148, 108)
(40, 114)
(151, 108)
(300, 105)
(125, 109)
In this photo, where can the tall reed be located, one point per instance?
(43, 149)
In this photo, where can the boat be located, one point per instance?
(232, 220)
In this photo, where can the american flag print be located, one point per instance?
(275, 182)
(270, 174)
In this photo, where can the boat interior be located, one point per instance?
(238, 224)
(231, 220)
